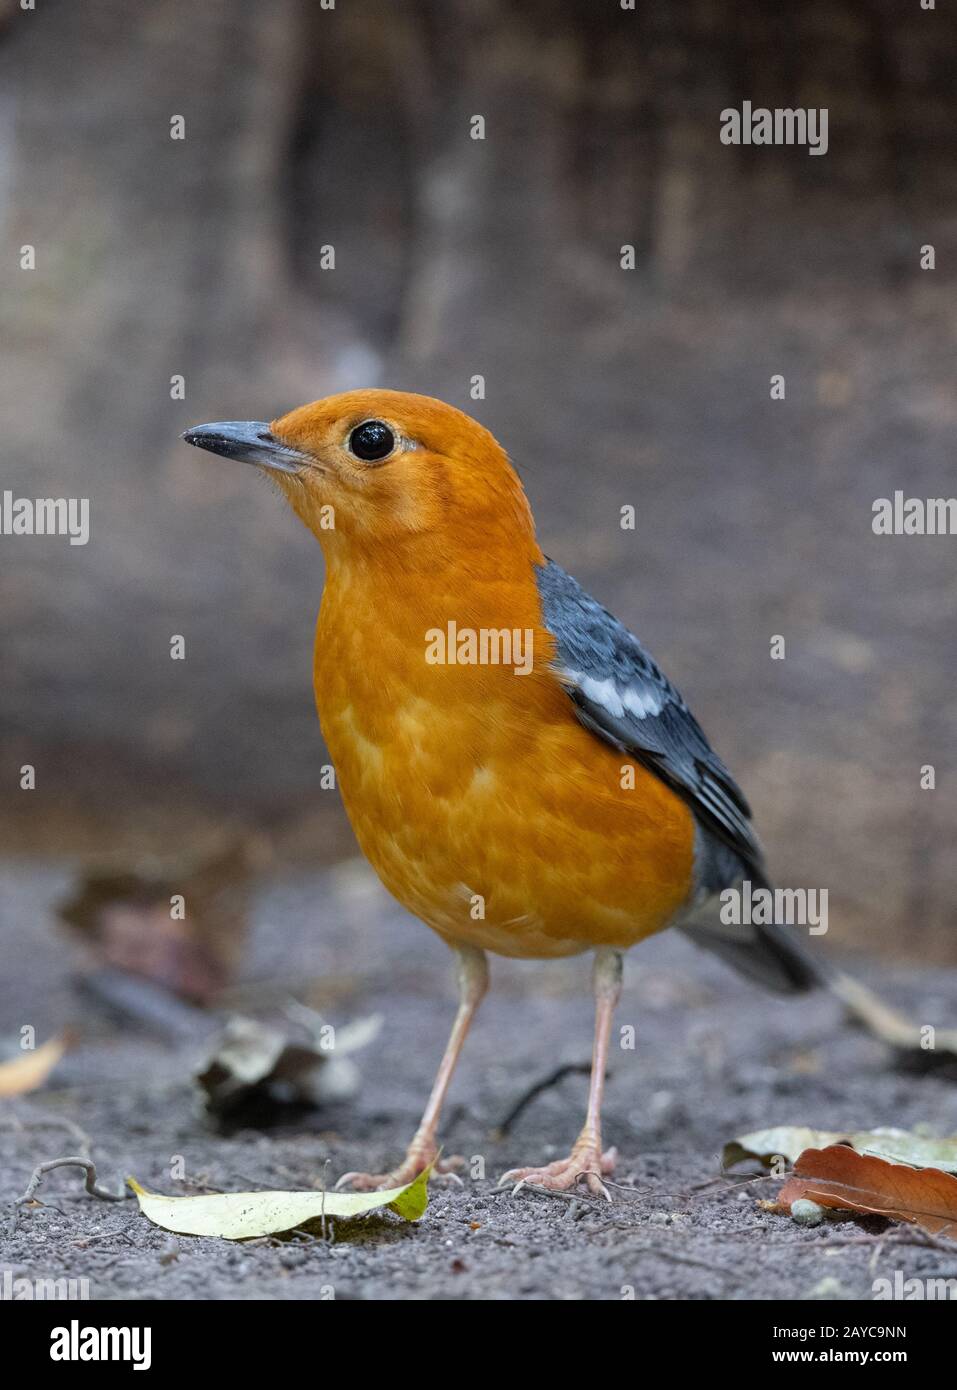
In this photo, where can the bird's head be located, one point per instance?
(370, 468)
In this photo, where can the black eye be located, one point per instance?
(371, 440)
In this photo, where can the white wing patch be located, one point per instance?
(617, 700)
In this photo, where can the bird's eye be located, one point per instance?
(371, 441)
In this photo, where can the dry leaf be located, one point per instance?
(897, 1145)
(783, 1141)
(840, 1177)
(124, 912)
(252, 1061)
(29, 1071)
(244, 1215)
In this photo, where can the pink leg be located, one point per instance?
(586, 1159)
(472, 974)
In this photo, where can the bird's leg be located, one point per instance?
(586, 1158)
(472, 972)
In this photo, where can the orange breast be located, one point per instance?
(478, 798)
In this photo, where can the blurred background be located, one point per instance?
(350, 127)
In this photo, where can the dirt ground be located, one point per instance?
(713, 1059)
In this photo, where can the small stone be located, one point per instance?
(806, 1213)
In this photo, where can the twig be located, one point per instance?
(569, 1069)
(94, 1188)
(71, 1161)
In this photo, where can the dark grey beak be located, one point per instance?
(249, 441)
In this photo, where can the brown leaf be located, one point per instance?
(29, 1071)
(124, 913)
(840, 1177)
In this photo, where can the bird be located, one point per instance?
(516, 767)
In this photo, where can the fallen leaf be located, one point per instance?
(784, 1141)
(840, 1177)
(900, 1146)
(789, 1141)
(253, 1061)
(124, 913)
(244, 1215)
(29, 1071)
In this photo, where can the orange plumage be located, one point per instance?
(468, 782)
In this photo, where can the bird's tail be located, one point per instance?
(772, 954)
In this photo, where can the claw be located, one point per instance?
(564, 1173)
(408, 1170)
(362, 1182)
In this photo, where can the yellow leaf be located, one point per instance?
(31, 1069)
(897, 1145)
(244, 1215)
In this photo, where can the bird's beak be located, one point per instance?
(251, 441)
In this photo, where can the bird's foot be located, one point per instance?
(586, 1160)
(418, 1157)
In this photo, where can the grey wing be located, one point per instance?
(622, 696)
